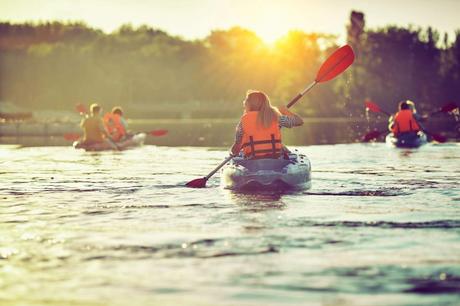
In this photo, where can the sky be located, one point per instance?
(270, 19)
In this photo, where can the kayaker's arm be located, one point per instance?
(296, 119)
(236, 147)
(391, 123)
(104, 131)
(419, 120)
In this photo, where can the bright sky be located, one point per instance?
(270, 19)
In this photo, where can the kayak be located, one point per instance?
(133, 141)
(406, 140)
(268, 174)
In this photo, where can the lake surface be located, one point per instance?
(380, 226)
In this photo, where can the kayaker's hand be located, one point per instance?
(298, 121)
(284, 110)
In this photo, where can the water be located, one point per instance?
(379, 226)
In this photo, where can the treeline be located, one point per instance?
(154, 75)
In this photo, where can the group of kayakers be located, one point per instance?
(110, 128)
(258, 132)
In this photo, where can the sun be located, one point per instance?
(269, 34)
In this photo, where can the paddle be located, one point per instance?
(334, 65)
(376, 109)
(71, 136)
(371, 106)
(157, 133)
(81, 109)
(372, 135)
(201, 182)
(447, 108)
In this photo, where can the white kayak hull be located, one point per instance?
(134, 141)
(406, 140)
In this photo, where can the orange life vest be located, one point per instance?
(114, 127)
(259, 142)
(404, 121)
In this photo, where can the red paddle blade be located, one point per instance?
(449, 107)
(81, 108)
(372, 106)
(71, 136)
(371, 136)
(335, 64)
(158, 132)
(197, 183)
(438, 138)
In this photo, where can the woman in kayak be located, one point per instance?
(258, 132)
(116, 124)
(93, 128)
(405, 120)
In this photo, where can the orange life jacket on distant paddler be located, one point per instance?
(258, 141)
(404, 121)
(114, 126)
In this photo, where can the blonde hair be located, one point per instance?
(411, 106)
(117, 110)
(95, 108)
(258, 101)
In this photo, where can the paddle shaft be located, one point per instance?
(301, 94)
(218, 167)
(386, 113)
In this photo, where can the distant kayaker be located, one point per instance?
(115, 124)
(258, 132)
(93, 128)
(405, 120)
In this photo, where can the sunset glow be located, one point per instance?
(270, 18)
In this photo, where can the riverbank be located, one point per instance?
(208, 132)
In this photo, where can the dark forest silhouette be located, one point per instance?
(153, 74)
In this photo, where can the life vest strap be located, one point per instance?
(268, 151)
(251, 142)
(275, 152)
(260, 142)
(273, 140)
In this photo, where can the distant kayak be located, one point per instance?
(133, 141)
(267, 174)
(406, 140)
